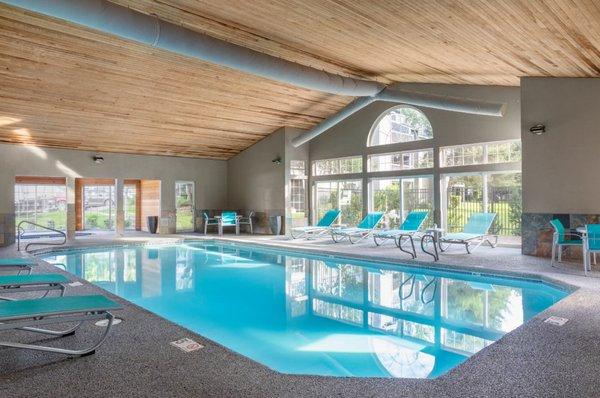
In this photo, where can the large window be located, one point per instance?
(484, 153)
(498, 193)
(129, 203)
(99, 207)
(343, 195)
(400, 124)
(43, 204)
(337, 166)
(406, 160)
(298, 180)
(399, 196)
(184, 197)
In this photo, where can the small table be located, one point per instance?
(434, 234)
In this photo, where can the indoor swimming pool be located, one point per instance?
(317, 315)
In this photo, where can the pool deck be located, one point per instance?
(535, 360)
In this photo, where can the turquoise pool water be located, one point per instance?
(305, 314)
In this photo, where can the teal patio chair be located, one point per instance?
(591, 245)
(31, 314)
(208, 221)
(361, 231)
(475, 232)
(229, 219)
(323, 226)
(30, 283)
(410, 226)
(559, 240)
(247, 220)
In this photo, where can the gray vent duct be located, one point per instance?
(121, 21)
(442, 102)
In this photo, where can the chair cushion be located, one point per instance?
(56, 305)
(38, 279)
(16, 262)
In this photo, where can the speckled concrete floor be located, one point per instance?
(535, 360)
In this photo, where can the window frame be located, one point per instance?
(386, 113)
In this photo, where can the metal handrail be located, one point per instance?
(21, 231)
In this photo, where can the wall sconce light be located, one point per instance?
(98, 159)
(277, 160)
(537, 129)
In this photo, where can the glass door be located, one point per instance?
(99, 207)
(129, 206)
(184, 202)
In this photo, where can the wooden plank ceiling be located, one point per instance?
(64, 86)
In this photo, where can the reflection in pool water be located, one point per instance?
(317, 315)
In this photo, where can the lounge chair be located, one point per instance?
(560, 240)
(29, 315)
(229, 219)
(362, 231)
(29, 283)
(475, 232)
(413, 222)
(591, 245)
(19, 263)
(323, 226)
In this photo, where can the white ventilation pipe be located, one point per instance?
(121, 21)
(434, 101)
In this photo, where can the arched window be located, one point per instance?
(400, 124)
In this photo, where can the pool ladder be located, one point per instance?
(21, 231)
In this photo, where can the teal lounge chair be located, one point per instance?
(29, 283)
(229, 219)
(29, 315)
(19, 263)
(591, 245)
(474, 233)
(362, 231)
(560, 240)
(323, 226)
(411, 224)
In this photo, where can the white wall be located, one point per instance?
(561, 173)
(210, 176)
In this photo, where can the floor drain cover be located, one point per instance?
(104, 322)
(186, 345)
(556, 320)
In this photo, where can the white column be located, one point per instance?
(120, 227)
(71, 213)
(485, 192)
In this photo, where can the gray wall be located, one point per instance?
(210, 176)
(449, 128)
(257, 184)
(560, 167)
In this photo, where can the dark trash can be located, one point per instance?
(152, 224)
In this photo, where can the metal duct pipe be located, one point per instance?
(433, 101)
(121, 21)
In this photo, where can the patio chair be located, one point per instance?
(19, 263)
(30, 283)
(591, 245)
(209, 221)
(247, 221)
(474, 232)
(559, 240)
(229, 219)
(362, 231)
(31, 314)
(323, 226)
